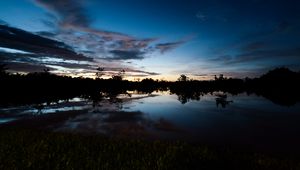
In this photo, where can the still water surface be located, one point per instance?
(216, 118)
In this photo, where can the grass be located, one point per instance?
(32, 149)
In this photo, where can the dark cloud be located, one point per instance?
(18, 39)
(129, 71)
(36, 63)
(137, 75)
(136, 44)
(5, 56)
(274, 54)
(164, 47)
(266, 47)
(289, 55)
(75, 28)
(72, 15)
(70, 12)
(277, 29)
(25, 67)
(74, 40)
(201, 75)
(127, 55)
(142, 72)
(41, 53)
(46, 34)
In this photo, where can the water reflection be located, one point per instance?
(206, 117)
(222, 100)
(184, 97)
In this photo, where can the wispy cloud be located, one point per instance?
(70, 12)
(3, 22)
(75, 29)
(202, 17)
(74, 44)
(21, 40)
(286, 54)
(22, 51)
(126, 55)
(164, 47)
(168, 46)
(251, 55)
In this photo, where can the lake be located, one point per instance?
(216, 118)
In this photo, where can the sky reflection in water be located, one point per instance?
(247, 120)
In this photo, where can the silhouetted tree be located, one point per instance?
(281, 86)
(183, 78)
(119, 76)
(221, 77)
(3, 69)
(47, 71)
(99, 72)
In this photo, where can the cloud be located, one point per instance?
(22, 51)
(201, 75)
(74, 45)
(37, 63)
(129, 71)
(75, 29)
(201, 16)
(3, 22)
(287, 54)
(20, 62)
(164, 47)
(272, 55)
(72, 15)
(277, 29)
(26, 67)
(70, 12)
(206, 15)
(9, 56)
(21, 40)
(126, 55)
(267, 47)
(142, 72)
(46, 34)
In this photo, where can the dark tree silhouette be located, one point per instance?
(99, 72)
(221, 77)
(3, 69)
(183, 78)
(281, 86)
(119, 76)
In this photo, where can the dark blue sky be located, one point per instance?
(155, 38)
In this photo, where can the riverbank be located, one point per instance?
(34, 149)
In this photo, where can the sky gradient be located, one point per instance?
(158, 39)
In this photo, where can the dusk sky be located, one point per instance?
(158, 39)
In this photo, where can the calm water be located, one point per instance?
(242, 120)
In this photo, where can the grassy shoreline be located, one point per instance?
(34, 149)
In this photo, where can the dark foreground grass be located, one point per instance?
(30, 149)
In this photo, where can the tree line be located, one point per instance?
(280, 85)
